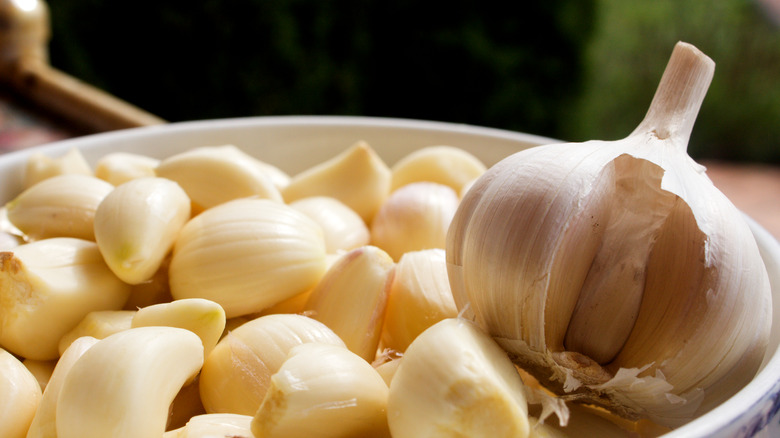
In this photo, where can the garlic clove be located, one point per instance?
(44, 423)
(118, 168)
(214, 425)
(47, 287)
(203, 317)
(357, 177)
(454, 380)
(239, 174)
(443, 164)
(344, 229)
(20, 395)
(40, 167)
(124, 384)
(419, 297)
(351, 298)
(98, 324)
(340, 396)
(615, 270)
(247, 255)
(137, 224)
(60, 206)
(186, 404)
(414, 217)
(237, 373)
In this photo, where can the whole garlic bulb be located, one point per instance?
(616, 272)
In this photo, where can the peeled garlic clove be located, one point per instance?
(40, 167)
(203, 317)
(237, 373)
(44, 424)
(357, 177)
(454, 380)
(120, 167)
(413, 218)
(137, 224)
(47, 287)
(124, 384)
(60, 206)
(247, 255)
(214, 425)
(20, 395)
(446, 165)
(419, 297)
(326, 391)
(343, 229)
(616, 270)
(239, 175)
(10, 236)
(351, 297)
(155, 290)
(98, 324)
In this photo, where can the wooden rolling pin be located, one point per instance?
(24, 65)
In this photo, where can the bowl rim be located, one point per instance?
(745, 413)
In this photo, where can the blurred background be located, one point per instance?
(568, 69)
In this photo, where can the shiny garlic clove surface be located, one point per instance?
(616, 271)
(413, 218)
(136, 225)
(443, 164)
(342, 396)
(239, 174)
(247, 255)
(40, 167)
(357, 177)
(60, 206)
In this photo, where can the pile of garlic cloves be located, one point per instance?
(615, 272)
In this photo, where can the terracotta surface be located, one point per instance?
(754, 189)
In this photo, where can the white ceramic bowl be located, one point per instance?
(295, 143)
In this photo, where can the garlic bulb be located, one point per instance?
(616, 271)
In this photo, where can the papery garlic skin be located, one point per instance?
(137, 224)
(442, 164)
(47, 287)
(343, 228)
(20, 396)
(414, 217)
(60, 206)
(325, 391)
(454, 380)
(236, 374)
(247, 255)
(689, 290)
(212, 175)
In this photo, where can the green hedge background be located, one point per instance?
(567, 69)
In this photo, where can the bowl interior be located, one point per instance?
(296, 143)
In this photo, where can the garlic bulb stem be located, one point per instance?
(679, 96)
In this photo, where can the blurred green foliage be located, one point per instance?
(569, 69)
(740, 116)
